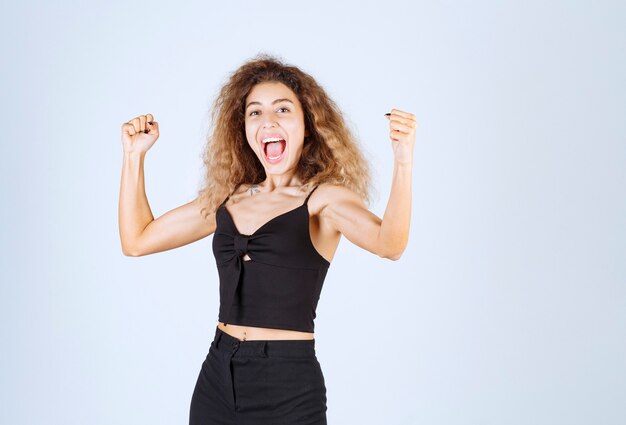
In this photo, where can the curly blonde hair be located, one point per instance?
(331, 153)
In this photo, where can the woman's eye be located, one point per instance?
(254, 113)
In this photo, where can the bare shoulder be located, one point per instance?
(340, 209)
(328, 194)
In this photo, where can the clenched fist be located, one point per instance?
(402, 134)
(139, 134)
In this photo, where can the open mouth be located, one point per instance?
(274, 149)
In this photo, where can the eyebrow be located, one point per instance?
(274, 102)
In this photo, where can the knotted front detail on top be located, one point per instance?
(241, 244)
(230, 264)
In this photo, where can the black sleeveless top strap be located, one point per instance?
(309, 195)
(280, 286)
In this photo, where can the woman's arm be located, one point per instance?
(140, 233)
(347, 213)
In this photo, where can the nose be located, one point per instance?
(269, 120)
(269, 123)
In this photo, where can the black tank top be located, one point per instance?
(280, 285)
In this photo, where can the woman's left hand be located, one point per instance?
(402, 134)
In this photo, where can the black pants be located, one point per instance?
(277, 382)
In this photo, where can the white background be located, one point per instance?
(507, 307)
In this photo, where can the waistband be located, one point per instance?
(264, 348)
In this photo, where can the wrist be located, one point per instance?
(131, 154)
(403, 163)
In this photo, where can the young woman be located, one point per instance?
(284, 180)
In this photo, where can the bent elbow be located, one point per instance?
(130, 252)
(392, 248)
(394, 257)
(391, 255)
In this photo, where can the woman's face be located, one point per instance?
(274, 121)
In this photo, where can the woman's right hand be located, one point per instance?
(140, 133)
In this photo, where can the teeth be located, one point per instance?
(271, 139)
